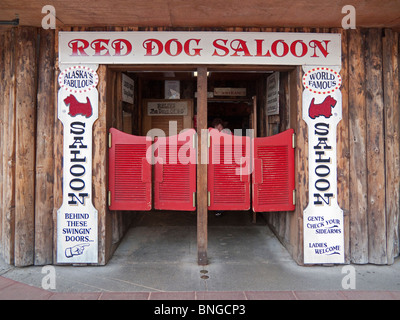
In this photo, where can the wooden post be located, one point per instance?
(2, 106)
(100, 147)
(392, 157)
(57, 149)
(375, 148)
(343, 147)
(44, 151)
(8, 219)
(358, 155)
(25, 145)
(301, 164)
(202, 203)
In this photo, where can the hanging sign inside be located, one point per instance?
(127, 89)
(323, 218)
(273, 94)
(230, 92)
(77, 235)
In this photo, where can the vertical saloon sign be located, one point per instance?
(323, 218)
(77, 240)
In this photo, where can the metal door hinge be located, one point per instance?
(294, 197)
(194, 199)
(208, 198)
(109, 198)
(294, 140)
(109, 140)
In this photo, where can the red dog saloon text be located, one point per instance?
(193, 47)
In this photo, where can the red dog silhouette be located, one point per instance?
(76, 107)
(322, 109)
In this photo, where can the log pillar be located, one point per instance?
(202, 204)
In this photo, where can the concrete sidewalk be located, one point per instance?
(157, 260)
(13, 290)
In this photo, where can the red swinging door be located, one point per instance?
(129, 172)
(273, 173)
(228, 175)
(130, 178)
(175, 172)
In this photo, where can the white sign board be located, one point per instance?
(167, 108)
(323, 218)
(250, 48)
(77, 235)
(273, 94)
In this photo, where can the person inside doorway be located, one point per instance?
(220, 125)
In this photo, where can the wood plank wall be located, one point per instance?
(367, 150)
(18, 111)
(31, 148)
(374, 145)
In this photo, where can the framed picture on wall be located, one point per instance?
(172, 89)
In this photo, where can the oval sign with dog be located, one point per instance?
(78, 79)
(322, 80)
